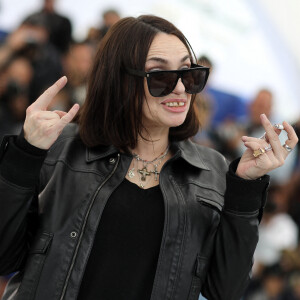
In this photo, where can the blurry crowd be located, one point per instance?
(224, 120)
(36, 54)
(42, 49)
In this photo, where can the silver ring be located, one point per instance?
(288, 148)
(269, 148)
(279, 126)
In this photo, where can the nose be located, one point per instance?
(179, 88)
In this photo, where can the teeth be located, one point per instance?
(175, 104)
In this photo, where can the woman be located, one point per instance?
(126, 207)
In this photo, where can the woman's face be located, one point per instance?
(166, 52)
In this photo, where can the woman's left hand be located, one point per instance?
(251, 167)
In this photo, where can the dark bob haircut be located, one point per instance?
(112, 112)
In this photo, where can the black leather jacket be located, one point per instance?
(210, 230)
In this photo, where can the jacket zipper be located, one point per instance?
(84, 225)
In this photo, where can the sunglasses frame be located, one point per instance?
(178, 72)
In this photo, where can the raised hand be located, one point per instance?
(42, 127)
(270, 154)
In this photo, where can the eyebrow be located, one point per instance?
(165, 61)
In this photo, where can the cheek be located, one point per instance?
(150, 102)
(150, 107)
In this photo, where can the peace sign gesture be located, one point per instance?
(42, 127)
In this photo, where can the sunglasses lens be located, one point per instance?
(194, 80)
(161, 83)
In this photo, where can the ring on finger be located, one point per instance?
(261, 151)
(258, 152)
(269, 148)
(287, 147)
(279, 126)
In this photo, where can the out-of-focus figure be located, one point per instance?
(220, 116)
(261, 104)
(15, 78)
(77, 66)
(277, 232)
(109, 18)
(204, 105)
(31, 40)
(272, 285)
(59, 26)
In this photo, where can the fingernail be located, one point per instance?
(62, 79)
(263, 116)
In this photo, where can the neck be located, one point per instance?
(149, 157)
(151, 148)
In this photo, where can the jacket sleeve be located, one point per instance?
(236, 237)
(19, 172)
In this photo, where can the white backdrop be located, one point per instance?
(253, 43)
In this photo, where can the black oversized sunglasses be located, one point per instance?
(162, 83)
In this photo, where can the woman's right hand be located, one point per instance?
(42, 127)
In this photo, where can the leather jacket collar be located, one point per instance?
(184, 149)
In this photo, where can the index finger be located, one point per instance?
(45, 99)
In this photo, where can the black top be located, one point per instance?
(124, 256)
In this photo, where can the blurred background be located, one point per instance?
(253, 49)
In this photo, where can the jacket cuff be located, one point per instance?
(22, 144)
(18, 166)
(245, 195)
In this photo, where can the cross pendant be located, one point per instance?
(131, 173)
(144, 172)
(155, 172)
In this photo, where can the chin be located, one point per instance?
(175, 124)
(177, 121)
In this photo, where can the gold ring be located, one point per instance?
(258, 152)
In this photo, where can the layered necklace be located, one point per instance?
(144, 172)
